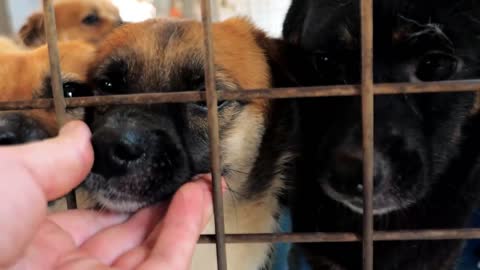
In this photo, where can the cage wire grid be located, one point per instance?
(367, 90)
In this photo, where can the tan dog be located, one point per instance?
(25, 75)
(89, 20)
(144, 153)
(9, 45)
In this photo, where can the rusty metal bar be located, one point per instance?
(427, 235)
(5, 19)
(294, 92)
(214, 134)
(366, 16)
(56, 75)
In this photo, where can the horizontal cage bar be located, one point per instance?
(273, 93)
(427, 235)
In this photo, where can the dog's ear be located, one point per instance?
(289, 63)
(295, 20)
(32, 33)
(310, 18)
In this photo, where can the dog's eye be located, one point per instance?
(73, 89)
(321, 60)
(91, 19)
(106, 86)
(203, 104)
(436, 66)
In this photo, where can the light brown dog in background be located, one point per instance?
(8, 45)
(25, 75)
(89, 20)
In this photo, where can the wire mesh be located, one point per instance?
(367, 90)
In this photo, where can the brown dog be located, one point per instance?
(144, 153)
(25, 75)
(88, 20)
(9, 45)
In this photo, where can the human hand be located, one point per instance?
(153, 238)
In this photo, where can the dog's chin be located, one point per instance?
(383, 203)
(110, 198)
(118, 204)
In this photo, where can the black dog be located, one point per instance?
(426, 145)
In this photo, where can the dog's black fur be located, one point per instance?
(426, 145)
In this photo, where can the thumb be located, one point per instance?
(57, 165)
(32, 174)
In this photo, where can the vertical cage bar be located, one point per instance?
(55, 74)
(5, 19)
(214, 135)
(366, 15)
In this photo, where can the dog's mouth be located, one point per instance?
(383, 202)
(128, 193)
(116, 201)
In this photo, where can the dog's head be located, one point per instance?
(143, 154)
(415, 135)
(88, 20)
(31, 71)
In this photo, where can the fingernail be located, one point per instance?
(73, 127)
(224, 185)
(204, 176)
(207, 199)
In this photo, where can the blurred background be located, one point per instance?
(268, 14)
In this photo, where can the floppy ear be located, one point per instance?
(294, 21)
(32, 32)
(289, 63)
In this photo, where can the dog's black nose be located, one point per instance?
(16, 128)
(347, 172)
(8, 137)
(116, 149)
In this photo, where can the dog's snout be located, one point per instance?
(8, 137)
(347, 172)
(116, 149)
(18, 128)
(126, 150)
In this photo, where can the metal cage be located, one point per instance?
(367, 90)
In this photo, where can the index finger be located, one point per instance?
(185, 220)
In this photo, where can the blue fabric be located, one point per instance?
(284, 255)
(282, 250)
(471, 255)
(469, 261)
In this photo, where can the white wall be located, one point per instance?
(267, 14)
(20, 10)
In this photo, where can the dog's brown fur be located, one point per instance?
(24, 76)
(70, 16)
(162, 46)
(9, 45)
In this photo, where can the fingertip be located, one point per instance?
(78, 135)
(201, 190)
(75, 127)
